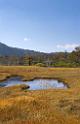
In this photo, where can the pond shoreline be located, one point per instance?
(20, 80)
(48, 78)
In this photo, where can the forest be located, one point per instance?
(56, 59)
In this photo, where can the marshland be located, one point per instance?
(39, 61)
(18, 105)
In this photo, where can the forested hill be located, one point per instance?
(10, 51)
(17, 56)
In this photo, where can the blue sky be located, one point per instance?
(42, 25)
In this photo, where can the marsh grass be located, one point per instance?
(20, 106)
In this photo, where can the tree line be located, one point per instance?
(58, 59)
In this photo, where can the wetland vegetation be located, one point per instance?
(51, 106)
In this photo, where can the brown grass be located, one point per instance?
(53, 106)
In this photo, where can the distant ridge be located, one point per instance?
(5, 50)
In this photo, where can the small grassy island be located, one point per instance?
(52, 106)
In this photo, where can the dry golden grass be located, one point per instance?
(53, 106)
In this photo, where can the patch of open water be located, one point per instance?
(37, 84)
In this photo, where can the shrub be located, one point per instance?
(40, 64)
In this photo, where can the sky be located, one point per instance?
(41, 25)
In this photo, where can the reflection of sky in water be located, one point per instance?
(45, 84)
(35, 84)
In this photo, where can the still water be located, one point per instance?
(37, 84)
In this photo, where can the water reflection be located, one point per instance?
(36, 84)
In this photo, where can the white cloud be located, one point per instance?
(67, 46)
(27, 39)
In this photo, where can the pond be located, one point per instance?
(37, 84)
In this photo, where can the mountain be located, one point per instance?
(9, 51)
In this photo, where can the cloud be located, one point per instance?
(67, 46)
(27, 39)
